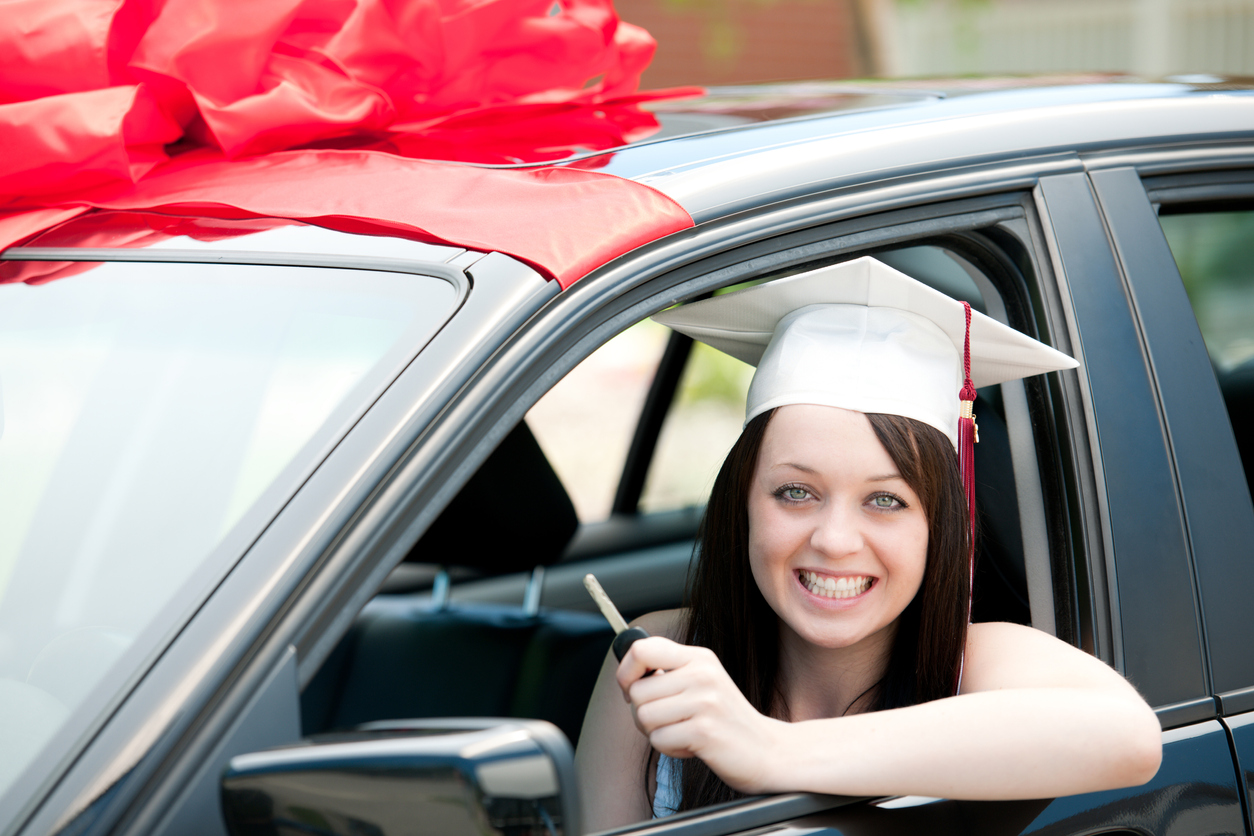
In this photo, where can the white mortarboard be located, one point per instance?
(862, 336)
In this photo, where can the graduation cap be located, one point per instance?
(862, 336)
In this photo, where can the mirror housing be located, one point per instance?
(452, 777)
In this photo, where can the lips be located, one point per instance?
(828, 586)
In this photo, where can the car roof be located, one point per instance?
(733, 110)
(754, 146)
(721, 171)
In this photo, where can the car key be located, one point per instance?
(624, 636)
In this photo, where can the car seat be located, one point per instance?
(416, 655)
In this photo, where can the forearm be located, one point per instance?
(610, 759)
(1022, 743)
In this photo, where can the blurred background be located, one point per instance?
(737, 41)
(586, 422)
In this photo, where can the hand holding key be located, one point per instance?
(695, 686)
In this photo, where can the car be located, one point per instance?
(288, 542)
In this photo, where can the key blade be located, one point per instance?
(604, 603)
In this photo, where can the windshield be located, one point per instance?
(153, 419)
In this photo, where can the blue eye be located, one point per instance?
(887, 500)
(792, 493)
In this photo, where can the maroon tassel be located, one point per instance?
(968, 435)
(966, 464)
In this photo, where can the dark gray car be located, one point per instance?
(277, 488)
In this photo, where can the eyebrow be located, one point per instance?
(887, 477)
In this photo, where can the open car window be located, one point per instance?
(506, 628)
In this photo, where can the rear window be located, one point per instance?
(1215, 254)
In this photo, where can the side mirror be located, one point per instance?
(451, 777)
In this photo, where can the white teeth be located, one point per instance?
(829, 587)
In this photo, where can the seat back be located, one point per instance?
(406, 657)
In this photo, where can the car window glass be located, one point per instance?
(1215, 254)
(585, 423)
(703, 423)
(147, 408)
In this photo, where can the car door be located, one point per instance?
(1119, 543)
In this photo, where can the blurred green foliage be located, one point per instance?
(1215, 254)
(723, 35)
(712, 375)
(1212, 247)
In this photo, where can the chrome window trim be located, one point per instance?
(453, 275)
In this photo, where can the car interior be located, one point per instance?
(487, 616)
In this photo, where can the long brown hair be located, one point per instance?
(727, 613)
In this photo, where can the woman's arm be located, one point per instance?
(610, 759)
(1036, 719)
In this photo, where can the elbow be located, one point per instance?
(1144, 751)
(1142, 764)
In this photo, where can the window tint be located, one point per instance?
(1215, 254)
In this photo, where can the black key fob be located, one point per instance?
(626, 639)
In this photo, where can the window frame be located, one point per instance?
(1220, 510)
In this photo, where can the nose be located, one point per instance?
(836, 531)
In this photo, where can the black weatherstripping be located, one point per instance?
(1161, 645)
(649, 427)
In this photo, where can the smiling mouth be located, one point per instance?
(828, 587)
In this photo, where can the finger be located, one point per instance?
(666, 712)
(658, 654)
(638, 660)
(674, 740)
(649, 688)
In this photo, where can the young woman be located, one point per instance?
(826, 646)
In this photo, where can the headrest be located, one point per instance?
(513, 514)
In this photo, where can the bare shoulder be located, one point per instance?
(1002, 636)
(666, 623)
(1003, 655)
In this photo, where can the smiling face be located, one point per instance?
(837, 538)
